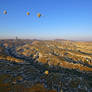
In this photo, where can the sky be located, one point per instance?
(61, 19)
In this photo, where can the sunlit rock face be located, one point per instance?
(67, 54)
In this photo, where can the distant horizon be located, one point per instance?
(42, 39)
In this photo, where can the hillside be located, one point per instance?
(53, 65)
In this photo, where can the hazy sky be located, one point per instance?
(65, 19)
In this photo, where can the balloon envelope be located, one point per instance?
(28, 13)
(39, 15)
(46, 72)
(5, 12)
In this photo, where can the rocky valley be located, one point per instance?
(45, 66)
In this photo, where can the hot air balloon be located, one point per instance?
(46, 72)
(39, 15)
(5, 12)
(28, 13)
